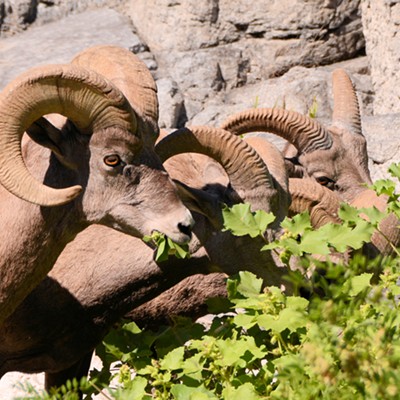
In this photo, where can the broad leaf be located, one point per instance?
(243, 392)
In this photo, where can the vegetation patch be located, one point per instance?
(336, 336)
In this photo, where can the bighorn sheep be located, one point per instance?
(344, 173)
(101, 168)
(336, 156)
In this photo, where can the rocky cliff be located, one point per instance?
(214, 57)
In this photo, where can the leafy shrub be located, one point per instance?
(341, 340)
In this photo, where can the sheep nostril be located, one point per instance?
(185, 229)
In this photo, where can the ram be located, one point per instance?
(100, 168)
(188, 296)
(335, 156)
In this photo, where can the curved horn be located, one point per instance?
(273, 158)
(346, 111)
(241, 162)
(320, 202)
(132, 77)
(305, 133)
(90, 101)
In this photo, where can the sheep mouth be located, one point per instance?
(181, 237)
(186, 231)
(164, 246)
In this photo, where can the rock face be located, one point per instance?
(383, 138)
(225, 45)
(381, 22)
(47, 43)
(211, 58)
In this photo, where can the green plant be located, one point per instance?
(69, 391)
(312, 111)
(166, 247)
(343, 344)
(341, 341)
(256, 102)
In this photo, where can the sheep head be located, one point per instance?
(118, 180)
(336, 156)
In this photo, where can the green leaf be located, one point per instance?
(384, 187)
(276, 244)
(315, 242)
(361, 233)
(374, 215)
(181, 251)
(243, 392)
(166, 247)
(232, 351)
(287, 319)
(288, 243)
(297, 303)
(162, 251)
(348, 213)
(228, 356)
(135, 390)
(173, 360)
(359, 283)
(245, 321)
(177, 250)
(312, 111)
(263, 219)
(288, 361)
(241, 221)
(394, 289)
(343, 236)
(394, 170)
(183, 392)
(298, 224)
(246, 284)
(193, 366)
(131, 327)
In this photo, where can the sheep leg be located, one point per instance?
(187, 298)
(77, 370)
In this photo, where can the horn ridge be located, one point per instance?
(305, 133)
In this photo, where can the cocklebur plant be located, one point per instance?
(343, 344)
(340, 342)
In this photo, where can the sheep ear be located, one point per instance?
(199, 201)
(46, 134)
(293, 168)
(292, 164)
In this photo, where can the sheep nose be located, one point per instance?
(185, 229)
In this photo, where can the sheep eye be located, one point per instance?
(112, 160)
(325, 181)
